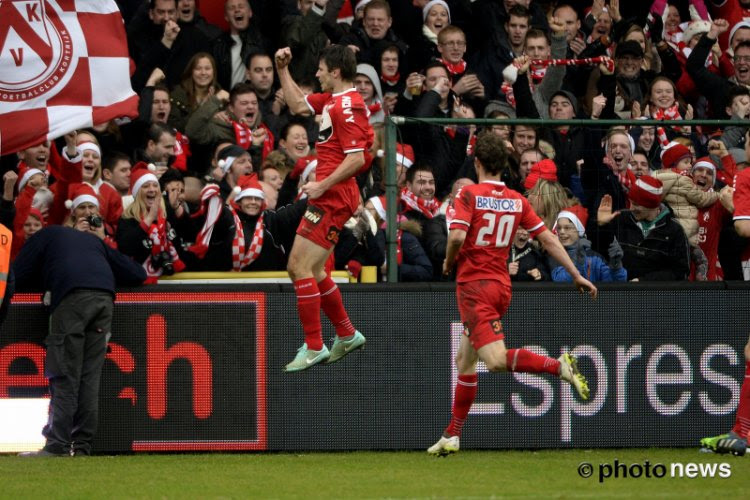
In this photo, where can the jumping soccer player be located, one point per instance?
(486, 217)
(735, 441)
(345, 135)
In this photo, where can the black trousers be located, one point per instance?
(76, 347)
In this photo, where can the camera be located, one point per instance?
(94, 221)
(163, 261)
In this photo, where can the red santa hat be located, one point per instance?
(695, 28)
(673, 153)
(646, 191)
(704, 162)
(404, 155)
(578, 215)
(89, 146)
(140, 175)
(545, 169)
(304, 167)
(81, 193)
(37, 214)
(248, 185)
(378, 202)
(25, 174)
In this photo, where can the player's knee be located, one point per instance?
(747, 351)
(496, 364)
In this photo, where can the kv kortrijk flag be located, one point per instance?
(63, 65)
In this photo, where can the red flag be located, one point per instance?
(64, 65)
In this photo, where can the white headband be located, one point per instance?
(89, 146)
(257, 193)
(143, 180)
(28, 175)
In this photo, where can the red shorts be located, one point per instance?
(325, 216)
(482, 304)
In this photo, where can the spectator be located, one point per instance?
(525, 262)
(546, 196)
(157, 40)
(270, 99)
(159, 148)
(570, 226)
(436, 15)
(390, 77)
(242, 123)
(234, 163)
(83, 203)
(231, 49)
(198, 84)
(367, 84)
(188, 15)
(116, 172)
(711, 219)
(144, 232)
(374, 35)
(452, 48)
(654, 245)
(305, 36)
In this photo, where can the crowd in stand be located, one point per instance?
(208, 176)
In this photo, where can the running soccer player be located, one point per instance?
(735, 442)
(486, 217)
(345, 135)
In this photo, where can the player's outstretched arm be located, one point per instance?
(553, 247)
(293, 95)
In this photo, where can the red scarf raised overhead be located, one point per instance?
(211, 203)
(670, 113)
(411, 202)
(243, 254)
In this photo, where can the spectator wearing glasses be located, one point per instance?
(714, 87)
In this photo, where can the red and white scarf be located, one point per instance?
(243, 136)
(428, 208)
(670, 113)
(160, 243)
(626, 177)
(211, 203)
(391, 80)
(455, 69)
(242, 254)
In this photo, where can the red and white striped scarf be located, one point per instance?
(428, 208)
(626, 178)
(160, 243)
(243, 136)
(243, 255)
(211, 203)
(670, 113)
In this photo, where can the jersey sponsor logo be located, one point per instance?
(36, 49)
(498, 204)
(326, 127)
(333, 235)
(497, 326)
(313, 215)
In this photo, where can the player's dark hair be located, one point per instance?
(112, 159)
(342, 58)
(491, 153)
(411, 173)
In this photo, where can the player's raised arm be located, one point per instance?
(553, 247)
(295, 98)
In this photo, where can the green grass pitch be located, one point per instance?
(408, 474)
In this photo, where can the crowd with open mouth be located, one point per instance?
(216, 160)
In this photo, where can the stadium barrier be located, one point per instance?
(200, 369)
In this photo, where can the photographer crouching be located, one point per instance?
(78, 272)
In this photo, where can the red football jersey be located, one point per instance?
(741, 196)
(345, 128)
(711, 220)
(490, 213)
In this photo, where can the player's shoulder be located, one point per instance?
(349, 98)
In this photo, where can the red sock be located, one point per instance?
(466, 391)
(742, 419)
(308, 306)
(333, 306)
(523, 360)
